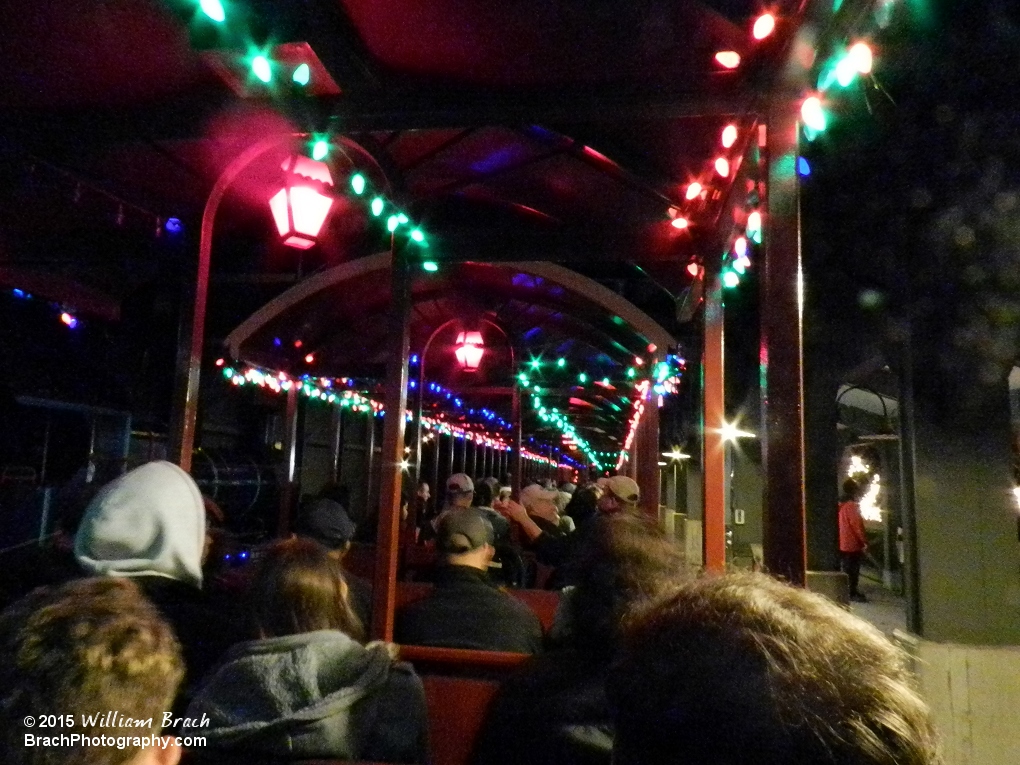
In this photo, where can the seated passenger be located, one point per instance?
(307, 687)
(741, 669)
(149, 525)
(619, 494)
(327, 521)
(466, 610)
(76, 652)
(555, 711)
(543, 506)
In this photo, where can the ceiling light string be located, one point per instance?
(340, 392)
(80, 187)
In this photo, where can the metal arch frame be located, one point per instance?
(184, 414)
(643, 324)
(515, 405)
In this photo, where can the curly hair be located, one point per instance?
(742, 669)
(76, 652)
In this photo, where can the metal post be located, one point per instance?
(337, 444)
(518, 462)
(908, 468)
(450, 458)
(714, 415)
(648, 468)
(436, 442)
(288, 497)
(391, 475)
(189, 359)
(369, 463)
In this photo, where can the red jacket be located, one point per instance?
(851, 528)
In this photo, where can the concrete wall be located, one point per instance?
(969, 558)
(974, 693)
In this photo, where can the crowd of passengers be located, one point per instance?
(646, 661)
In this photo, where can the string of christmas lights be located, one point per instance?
(664, 379)
(339, 392)
(66, 314)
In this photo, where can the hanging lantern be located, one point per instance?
(300, 208)
(470, 348)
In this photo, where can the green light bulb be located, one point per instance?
(430, 266)
(320, 149)
(402, 219)
(302, 75)
(358, 183)
(730, 279)
(631, 372)
(605, 381)
(377, 206)
(261, 68)
(418, 236)
(213, 9)
(535, 363)
(561, 363)
(391, 223)
(582, 378)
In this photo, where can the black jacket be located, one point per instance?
(553, 712)
(467, 611)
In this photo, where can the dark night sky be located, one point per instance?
(912, 211)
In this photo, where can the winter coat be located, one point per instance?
(466, 610)
(852, 538)
(315, 695)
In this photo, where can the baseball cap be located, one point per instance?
(460, 483)
(327, 522)
(623, 487)
(535, 493)
(462, 530)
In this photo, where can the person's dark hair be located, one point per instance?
(299, 587)
(852, 490)
(483, 495)
(741, 669)
(583, 504)
(81, 650)
(626, 561)
(338, 493)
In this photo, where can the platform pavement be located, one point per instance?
(885, 609)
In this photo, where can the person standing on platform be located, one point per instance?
(853, 542)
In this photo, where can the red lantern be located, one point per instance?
(470, 348)
(300, 208)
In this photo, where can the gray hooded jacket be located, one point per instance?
(315, 695)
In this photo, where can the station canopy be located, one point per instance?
(558, 171)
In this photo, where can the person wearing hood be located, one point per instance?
(307, 688)
(149, 525)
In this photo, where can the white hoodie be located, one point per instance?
(148, 522)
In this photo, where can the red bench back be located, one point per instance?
(459, 687)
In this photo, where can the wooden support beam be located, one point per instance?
(781, 355)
